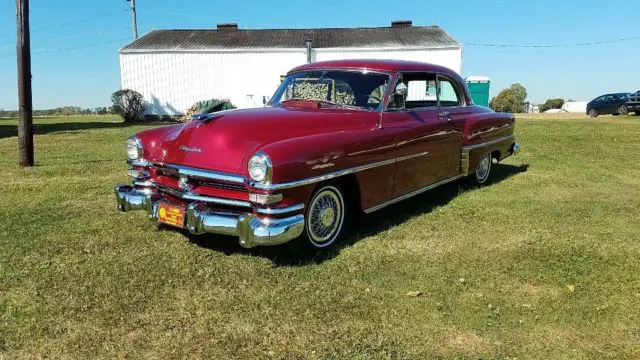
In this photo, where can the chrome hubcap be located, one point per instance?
(325, 217)
(482, 172)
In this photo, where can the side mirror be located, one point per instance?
(402, 89)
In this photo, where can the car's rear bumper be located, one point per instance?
(251, 229)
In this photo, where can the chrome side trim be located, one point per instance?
(215, 200)
(411, 194)
(207, 174)
(403, 158)
(315, 179)
(492, 142)
(464, 155)
(464, 162)
(329, 176)
(278, 211)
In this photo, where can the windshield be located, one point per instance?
(336, 87)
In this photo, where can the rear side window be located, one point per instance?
(426, 90)
(448, 93)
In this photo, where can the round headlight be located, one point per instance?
(260, 167)
(134, 149)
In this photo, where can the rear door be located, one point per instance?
(610, 104)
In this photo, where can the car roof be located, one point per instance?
(625, 93)
(376, 65)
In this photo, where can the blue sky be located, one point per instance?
(75, 44)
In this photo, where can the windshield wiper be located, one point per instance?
(343, 106)
(329, 103)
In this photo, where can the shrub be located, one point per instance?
(128, 104)
(510, 100)
(552, 104)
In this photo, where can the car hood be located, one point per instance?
(227, 139)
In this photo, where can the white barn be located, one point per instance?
(174, 69)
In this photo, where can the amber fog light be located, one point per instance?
(138, 174)
(265, 199)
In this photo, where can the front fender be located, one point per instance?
(320, 154)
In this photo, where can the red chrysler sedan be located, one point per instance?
(336, 138)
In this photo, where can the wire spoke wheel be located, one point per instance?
(483, 169)
(325, 216)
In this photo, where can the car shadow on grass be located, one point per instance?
(365, 226)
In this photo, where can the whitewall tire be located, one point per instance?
(483, 169)
(324, 217)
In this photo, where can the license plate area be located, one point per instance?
(171, 214)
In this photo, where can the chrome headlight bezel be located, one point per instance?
(133, 148)
(260, 168)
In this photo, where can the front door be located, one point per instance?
(425, 140)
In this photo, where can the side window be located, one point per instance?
(448, 93)
(421, 92)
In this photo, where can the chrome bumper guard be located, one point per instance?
(251, 229)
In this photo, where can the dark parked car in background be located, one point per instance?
(633, 103)
(615, 104)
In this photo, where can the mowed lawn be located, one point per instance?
(544, 263)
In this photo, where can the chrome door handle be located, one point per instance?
(445, 114)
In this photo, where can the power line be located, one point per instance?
(78, 21)
(52, 51)
(592, 43)
(73, 22)
(67, 37)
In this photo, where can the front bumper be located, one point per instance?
(251, 229)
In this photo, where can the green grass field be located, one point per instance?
(544, 263)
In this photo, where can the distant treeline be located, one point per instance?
(62, 111)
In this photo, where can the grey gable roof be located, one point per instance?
(203, 40)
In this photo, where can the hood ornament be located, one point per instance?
(190, 149)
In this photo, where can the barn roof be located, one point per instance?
(229, 37)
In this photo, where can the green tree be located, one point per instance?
(128, 104)
(552, 104)
(510, 100)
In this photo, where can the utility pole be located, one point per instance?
(134, 19)
(25, 121)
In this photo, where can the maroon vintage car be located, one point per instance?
(337, 137)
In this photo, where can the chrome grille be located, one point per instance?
(174, 173)
(217, 184)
